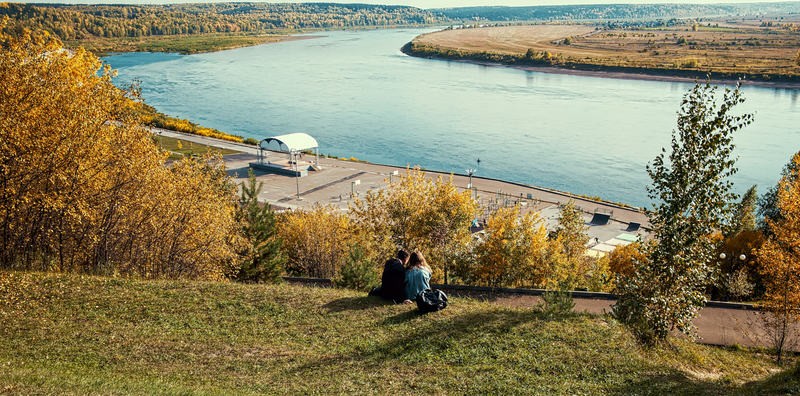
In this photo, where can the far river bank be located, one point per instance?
(601, 71)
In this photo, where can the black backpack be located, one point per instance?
(431, 300)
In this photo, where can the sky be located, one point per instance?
(422, 3)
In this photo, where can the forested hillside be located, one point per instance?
(617, 11)
(76, 22)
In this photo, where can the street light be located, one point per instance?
(723, 256)
(470, 172)
(296, 174)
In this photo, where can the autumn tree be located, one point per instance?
(567, 260)
(316, 241)
(572, 229)
(82, 185)
(418, 213)
(780, 259)
(744, 215)
(691, 191)
(262, 260)
(737, 272)
(622, 261)
(768, 209)
(514, 251)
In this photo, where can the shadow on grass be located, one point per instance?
(671, 382)
(784, 383)
(402, 317)
(674, 382)
(434, 333)
(355, 303)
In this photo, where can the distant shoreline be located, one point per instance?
(615, 72)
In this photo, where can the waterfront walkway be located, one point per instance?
(339, 181)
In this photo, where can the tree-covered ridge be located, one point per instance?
(616, 11)
(75, 22)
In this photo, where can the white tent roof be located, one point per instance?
(292, 141)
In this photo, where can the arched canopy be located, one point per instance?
(293, 142)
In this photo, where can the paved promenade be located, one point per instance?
(339, 181)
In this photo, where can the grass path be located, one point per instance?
(74, 334)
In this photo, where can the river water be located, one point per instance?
(359, 96)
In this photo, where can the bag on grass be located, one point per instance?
(431, 300)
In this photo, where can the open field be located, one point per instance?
(728, 50)
(77, 334)
(184, 44)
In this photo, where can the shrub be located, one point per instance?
(358, 273)
(556, 304)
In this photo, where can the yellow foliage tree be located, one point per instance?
(418, 213)
(82, 185)
(569, 266)
(514, 251)
(779, 258)
(623, 259)
(317, 242)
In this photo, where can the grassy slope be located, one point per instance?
(71, 334)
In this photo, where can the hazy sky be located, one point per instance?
(422, 3)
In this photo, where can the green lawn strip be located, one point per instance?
(79, 334)
(187, 147)
(184, 44)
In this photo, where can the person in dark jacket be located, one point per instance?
(393, 278)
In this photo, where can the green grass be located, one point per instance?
(187, 148)
(78, 334)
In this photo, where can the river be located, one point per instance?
(361, 97)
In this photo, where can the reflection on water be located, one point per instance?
(359, 96)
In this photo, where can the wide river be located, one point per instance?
(361, 97)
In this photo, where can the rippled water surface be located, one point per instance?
(361, 97)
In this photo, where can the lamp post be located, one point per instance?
(296, 174)
(723, 256)
(470, 172)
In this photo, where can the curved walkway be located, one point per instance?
(334, 185)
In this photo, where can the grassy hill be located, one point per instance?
(77, 334)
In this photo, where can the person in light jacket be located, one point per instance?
(418, 276)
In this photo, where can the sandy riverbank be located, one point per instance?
(600, 71)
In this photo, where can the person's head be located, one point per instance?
(402, 255)
(417, 260)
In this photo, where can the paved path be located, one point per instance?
(715, 326)
(334, 185)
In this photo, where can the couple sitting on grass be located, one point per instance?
(404, 277)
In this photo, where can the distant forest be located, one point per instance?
(80, 22)
(618, 11)
(76, 22)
